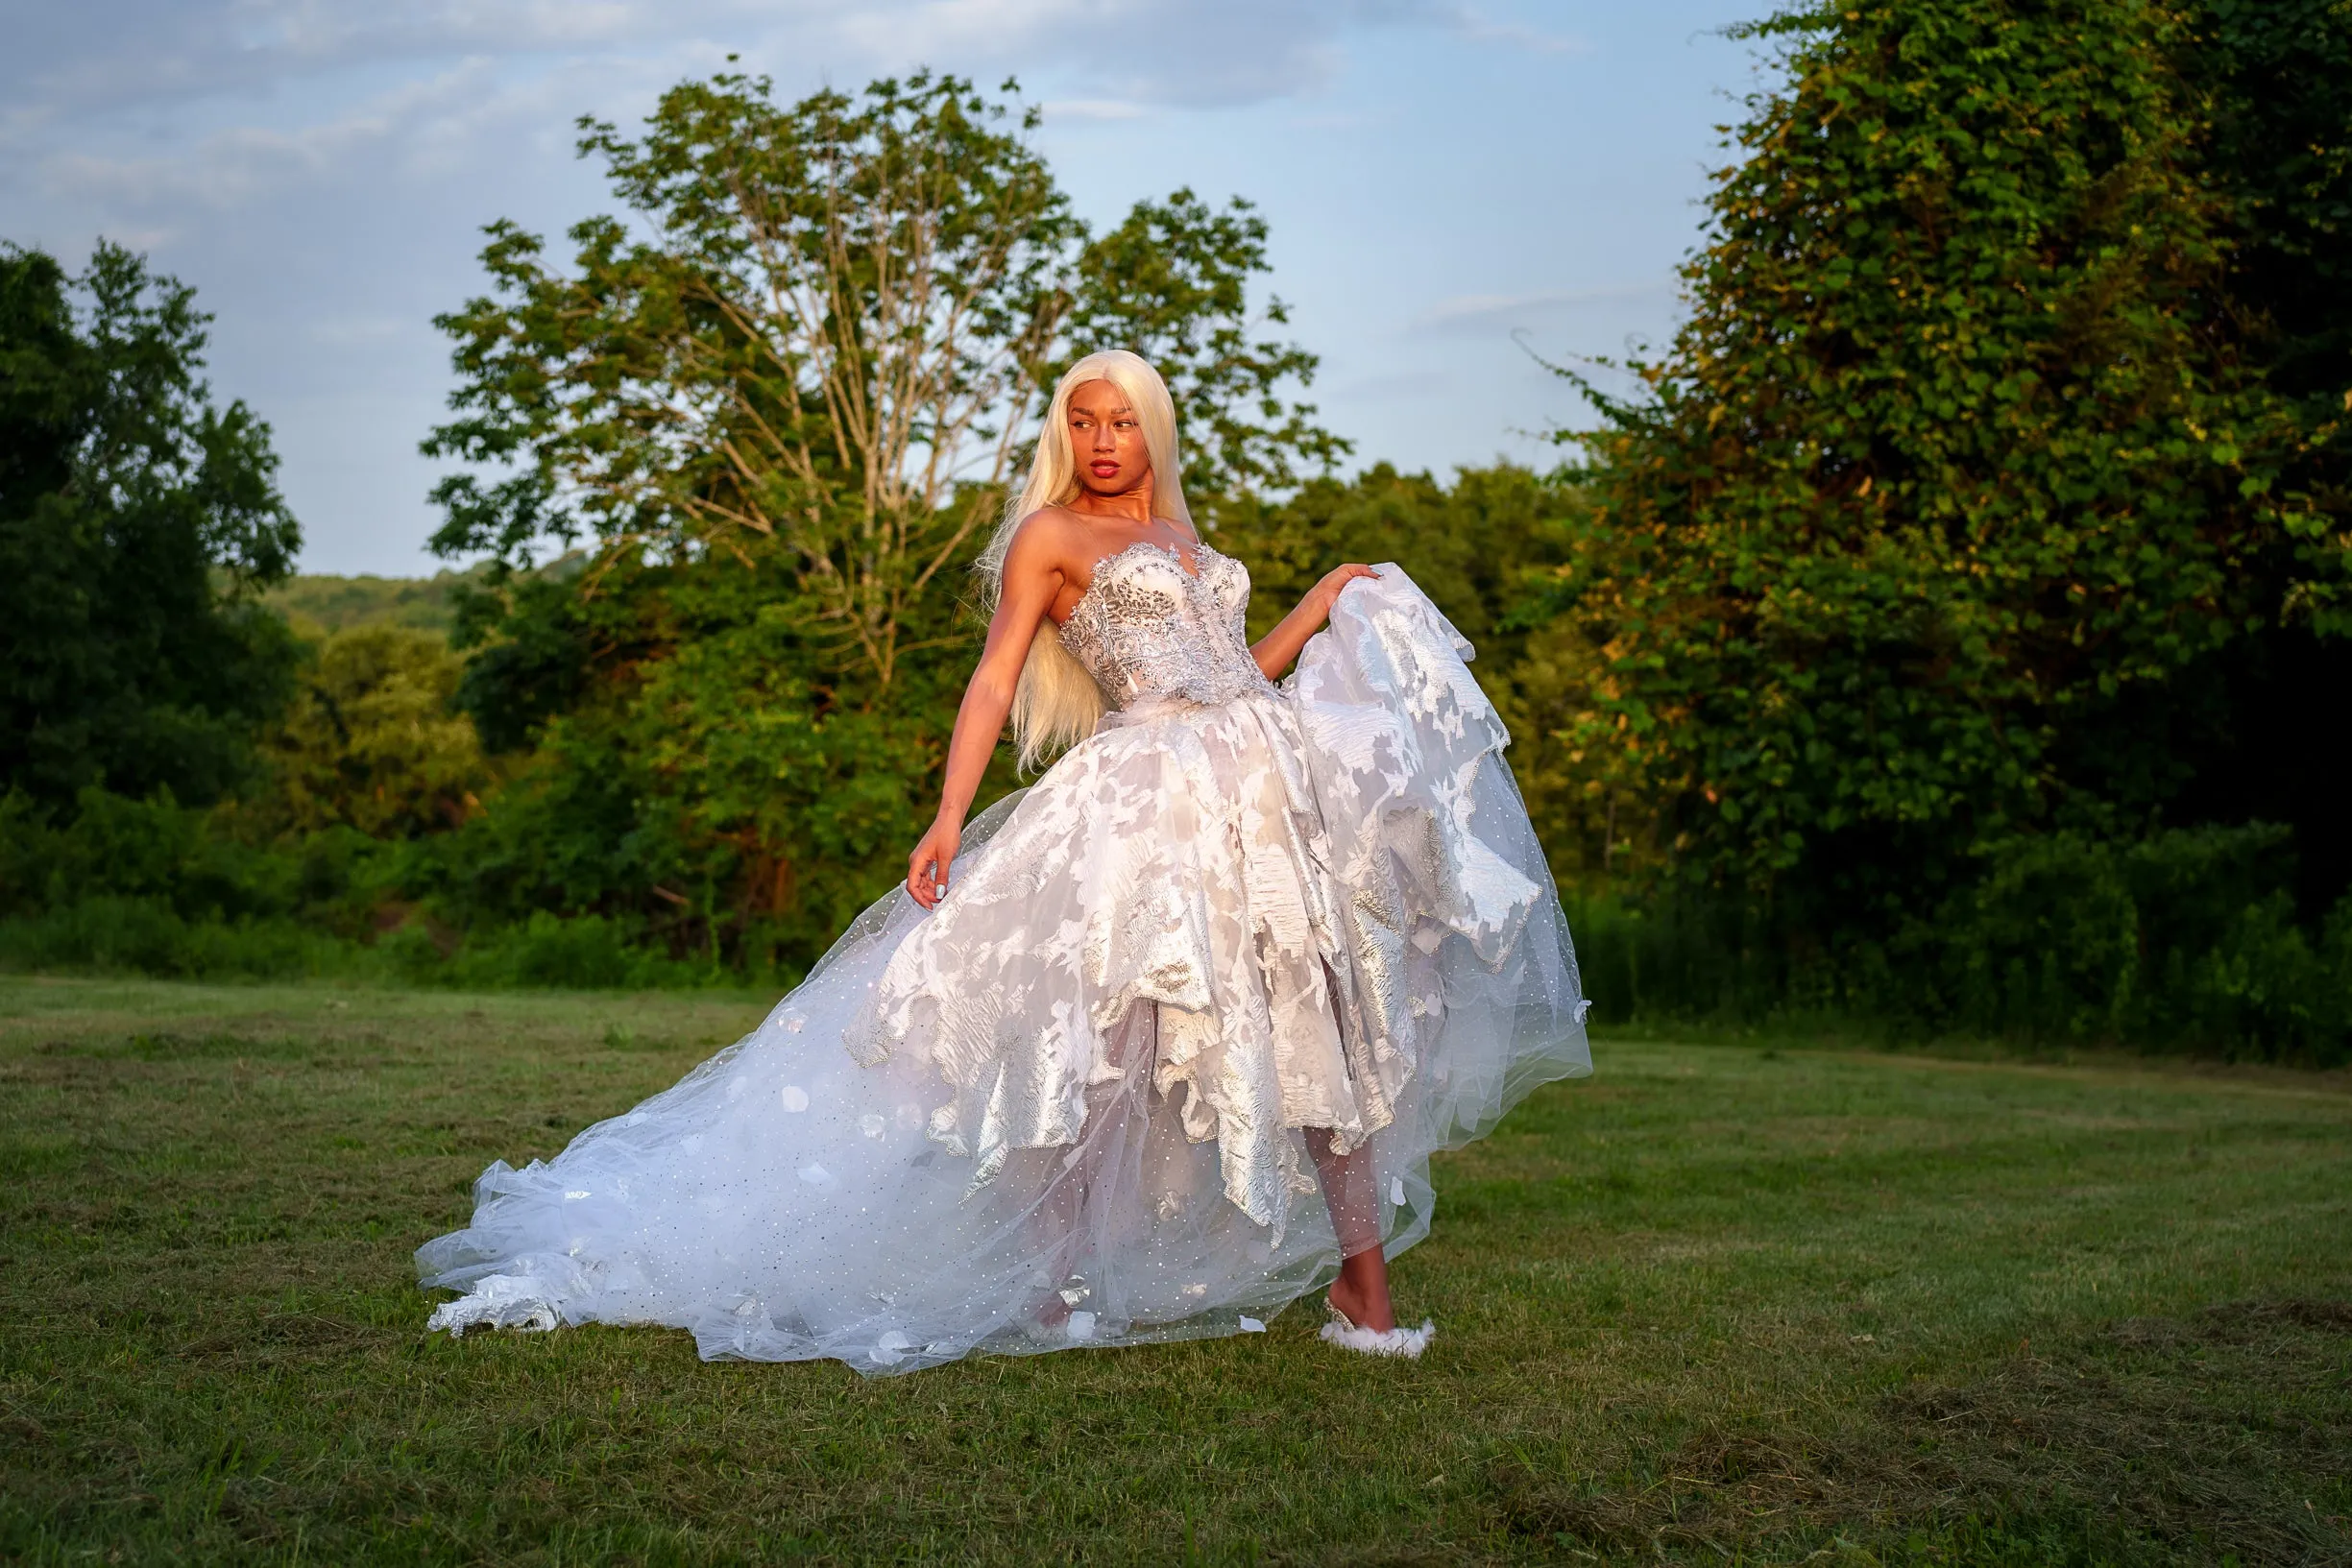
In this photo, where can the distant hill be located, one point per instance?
(335, 604)
(318, 603)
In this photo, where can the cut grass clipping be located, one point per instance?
(1719, 1304)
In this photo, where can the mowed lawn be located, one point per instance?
(1718, 1303)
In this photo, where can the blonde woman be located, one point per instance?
(1148, 1051)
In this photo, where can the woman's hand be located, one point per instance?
(1326, 594)
(1274, 651)
(928, 866)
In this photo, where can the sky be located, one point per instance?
(1452, 187)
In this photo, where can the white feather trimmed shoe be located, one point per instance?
(502, 1301)
(1406, 1343)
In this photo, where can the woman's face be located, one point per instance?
(1106, 437)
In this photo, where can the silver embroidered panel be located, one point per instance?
(1147, 628)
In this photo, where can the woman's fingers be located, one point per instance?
(926, 872)
(1340, 577)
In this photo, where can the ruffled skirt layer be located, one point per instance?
(1071, 1105)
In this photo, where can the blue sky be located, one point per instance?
(1444, 181)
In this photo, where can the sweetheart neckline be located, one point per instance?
(1094, 580)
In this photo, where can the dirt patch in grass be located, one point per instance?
(2226, 1435)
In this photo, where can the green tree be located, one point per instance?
(1954, 469)
(2275, 77)
(139, 523)
(372, 741)
(776, 415)
(825, 341)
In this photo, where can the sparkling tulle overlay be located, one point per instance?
(1076, 1104)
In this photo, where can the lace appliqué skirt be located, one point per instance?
(1088, 1074)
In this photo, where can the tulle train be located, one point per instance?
(1072, 1106)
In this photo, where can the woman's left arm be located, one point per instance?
(1277, 648)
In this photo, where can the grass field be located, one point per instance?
(1719, 1303)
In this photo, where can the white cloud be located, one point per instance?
(1478, 28)
(1094, 109)
(1488, 314)
(321, 169)
(148, 53)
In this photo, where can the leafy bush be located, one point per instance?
(154, 848)
(2188, 940)
(372, 741)
(112, 933)
(1966, 505)
(2047, 944)
(583, 953)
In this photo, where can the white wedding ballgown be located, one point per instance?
(1240, 934)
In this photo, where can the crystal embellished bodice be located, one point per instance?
(1147, 628)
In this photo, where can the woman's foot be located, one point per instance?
(1361, 1292)
(1047, 1314)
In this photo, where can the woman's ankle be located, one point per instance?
(1361, 1292)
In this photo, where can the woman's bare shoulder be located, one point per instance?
(1048, 532)
(1046, 539)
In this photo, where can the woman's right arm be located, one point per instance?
(1032, 578)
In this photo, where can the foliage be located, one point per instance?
(112, 846)
(159, 888)
(322, 603)
(1955, 476)
(2189, 938)
(108, 933)
(1471, 545)
(2276, 79)
(137, 521)
(828, 335)
(780, 423)
(703, 782)
(372, 741)
(2185, 941)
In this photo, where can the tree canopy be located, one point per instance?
(776, 413)
(1940, 509)
(137, 523)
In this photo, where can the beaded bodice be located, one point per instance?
(1148, 629)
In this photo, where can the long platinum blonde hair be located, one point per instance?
(1057, 703)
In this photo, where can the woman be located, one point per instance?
(1148, 1049)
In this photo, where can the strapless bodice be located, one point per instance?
(1148, 630)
